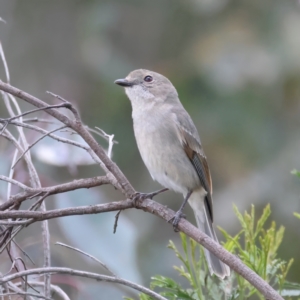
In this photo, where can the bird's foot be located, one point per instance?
(176, 219)
(142, 196)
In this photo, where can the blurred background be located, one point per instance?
(236, 66)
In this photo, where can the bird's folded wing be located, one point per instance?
(190, 141)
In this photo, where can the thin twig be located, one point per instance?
(98, 277)
(37, 204)
(71, 107)
(77, 126)
(71, 211)
(54, 289)
(26, 294)
(4, 60)
(110, 141)
(10, 223)
(57, 97)
(35, 182)
(38, 120)
(61, 188)
(116, 221)
(99, 133)
(8, 120)
(34, 143)
(15, 182)
(14, 287)
(23, 252)
(88, 255)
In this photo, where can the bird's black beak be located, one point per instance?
(123, 82)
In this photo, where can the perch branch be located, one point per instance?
(167, 214)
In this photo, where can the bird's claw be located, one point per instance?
(176, 219)
(142, 196)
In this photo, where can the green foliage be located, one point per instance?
(295, 172)
(255, 245)
(297, 215)
(258, 251)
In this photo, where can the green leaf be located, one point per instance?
(255, 244)
(297, 215)
(239, 216)
(262, 220)
(162, 282)
(278, 239)
(232, 243)
(172, 246)
(172, 289)
(183, 242)
(295, 172)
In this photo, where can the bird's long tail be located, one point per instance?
(204, 223)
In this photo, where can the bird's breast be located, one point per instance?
(163, 154)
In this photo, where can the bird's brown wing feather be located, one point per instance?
(189, 138)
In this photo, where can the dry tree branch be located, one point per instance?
(14, 287)
(56, 189)
(43, 131)
(9, 120)
(167, 214)
(34, 178)
(34, 143)
(2, 56)
(97, 277)
(88, 255)
(25, 294)
(77, 126)
(15, 182)
(54, 289)
(60, 139)
(123, 184)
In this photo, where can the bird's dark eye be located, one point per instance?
(148, 78)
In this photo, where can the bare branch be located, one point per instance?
(88, 255)
(123, 184)
(10, 223)
(14, 287)
(110, 141)
(4, 60)
(38, 120)
(116, 220)
(97, 277)
(54, 289)
(34, 143)
(167, 214)
(100, 133)
(70, 211)
(15, 182)
(70, 106)
(8, 120)
(76, 125)
(25, 294)
(35, 182)
(62, 188)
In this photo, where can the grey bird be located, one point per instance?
(170, 147)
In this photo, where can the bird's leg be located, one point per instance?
(142, 196)
(179, 214)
